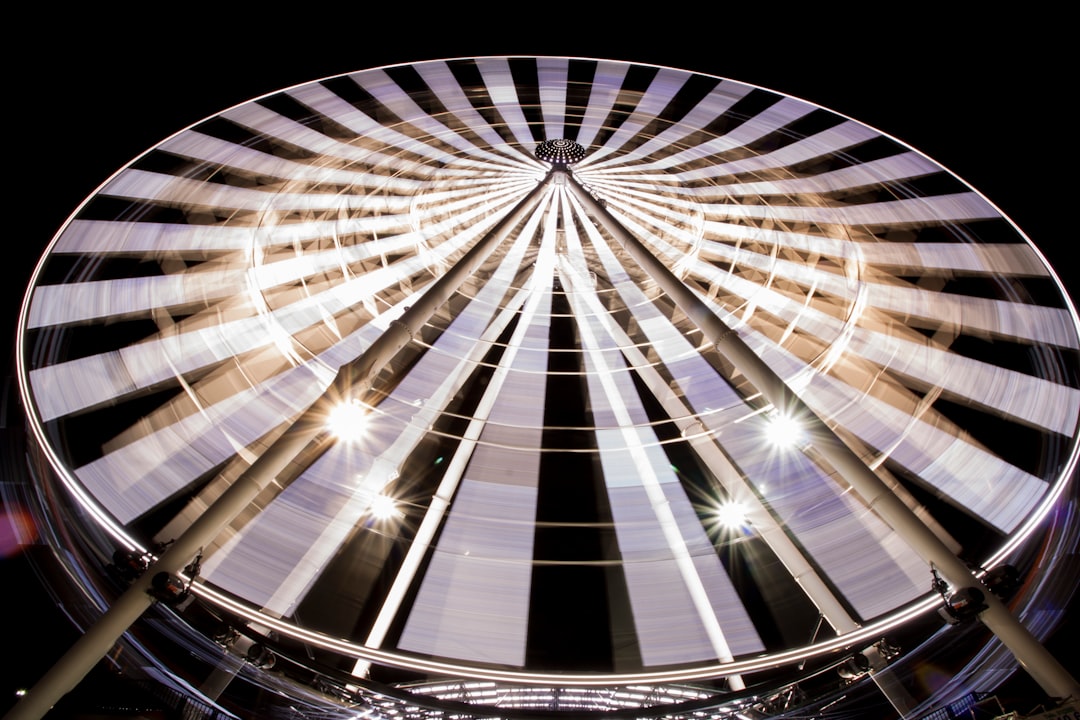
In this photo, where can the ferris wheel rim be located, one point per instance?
(712, 670)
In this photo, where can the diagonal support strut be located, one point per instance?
(351, 381)
(1043, 667)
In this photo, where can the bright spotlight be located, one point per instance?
(784, 431)
(383, 507)
(347, 421)
(732, 515)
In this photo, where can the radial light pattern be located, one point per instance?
(556, 443)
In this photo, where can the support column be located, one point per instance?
(1032, 656)
(352, 380)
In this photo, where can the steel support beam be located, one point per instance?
(351, 381)
(1051, 676)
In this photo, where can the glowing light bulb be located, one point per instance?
(732, 515)
(347, 421)
(784, 431)
(383, 507)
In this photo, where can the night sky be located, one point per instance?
(972, 94)
(985, 98)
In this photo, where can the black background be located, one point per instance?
(986, 97)
(86, 92)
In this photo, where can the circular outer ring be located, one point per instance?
(555, 446)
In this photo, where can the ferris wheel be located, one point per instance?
(556, 476)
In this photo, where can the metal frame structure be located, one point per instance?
(564, 381)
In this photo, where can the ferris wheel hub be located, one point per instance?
(560, 152)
